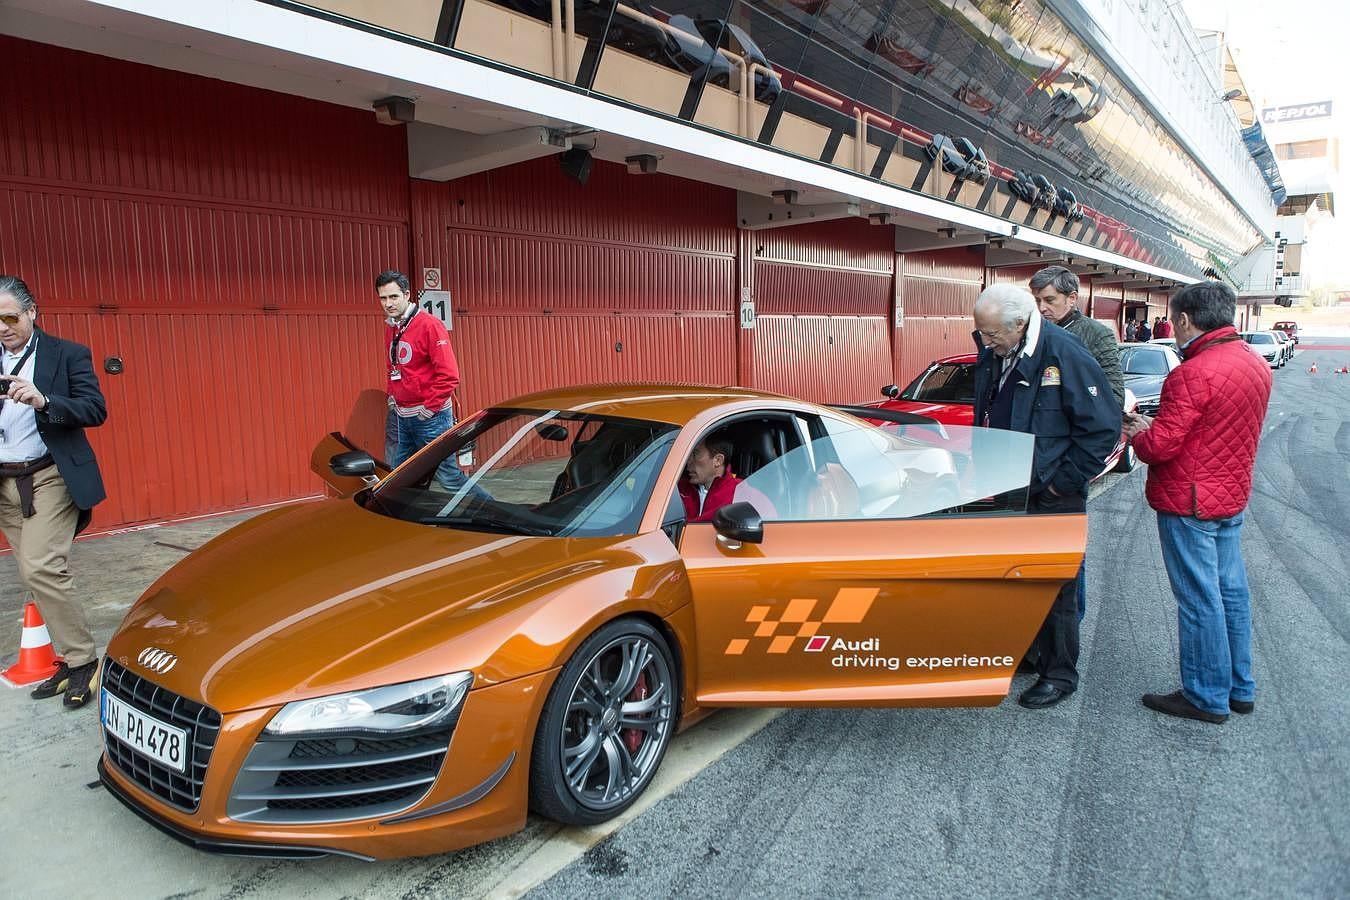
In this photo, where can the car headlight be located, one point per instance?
(390, 709)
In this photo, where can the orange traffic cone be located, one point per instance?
(37, 658)
(1312, 370)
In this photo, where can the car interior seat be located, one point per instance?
(835, 494)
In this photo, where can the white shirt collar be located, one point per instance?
(1033, 334)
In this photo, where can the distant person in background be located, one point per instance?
(1131, 330)
(1144, 333)
(1162, 328)
(422, 376)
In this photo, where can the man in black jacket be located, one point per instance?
(49, 479)
(1034, 377)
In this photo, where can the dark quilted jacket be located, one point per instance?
(1201, 447)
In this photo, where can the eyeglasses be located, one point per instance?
(993, 334)
(10, 319)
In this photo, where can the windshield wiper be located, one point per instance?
(486, 522)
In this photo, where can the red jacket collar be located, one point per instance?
(1208, 339)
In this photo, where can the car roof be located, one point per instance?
(672, 403)
(958, 358)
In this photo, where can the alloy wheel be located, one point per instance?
(619, 718)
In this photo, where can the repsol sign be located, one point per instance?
(1296, 113)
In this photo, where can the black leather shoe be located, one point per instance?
(1042, 694)
(1242, 707)
(1176, 704)
(53, 685)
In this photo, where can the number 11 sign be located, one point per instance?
(438, 304)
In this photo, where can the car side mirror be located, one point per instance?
(357, 463)
(891, 391)
(739, 523)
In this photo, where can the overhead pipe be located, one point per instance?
(556, 27)
(744, 71)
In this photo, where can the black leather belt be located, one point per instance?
(16, 469)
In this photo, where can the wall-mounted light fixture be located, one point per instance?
(394, 110)
(879, 218)
(577, 164)
(785, 197)
(641, 164)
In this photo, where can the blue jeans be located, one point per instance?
(1214, 615)
(1080, 585)
(405, 435)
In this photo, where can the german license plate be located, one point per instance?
(164, 743)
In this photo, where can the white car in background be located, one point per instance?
(1267, 345)
(1286, 343)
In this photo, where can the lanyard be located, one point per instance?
(32, 345)
(398, 335)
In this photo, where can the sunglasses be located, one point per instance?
(10, 319)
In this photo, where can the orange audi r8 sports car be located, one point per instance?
(408, 667)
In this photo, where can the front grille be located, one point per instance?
(336, 778)
(179, 790)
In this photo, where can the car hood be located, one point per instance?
(946, 413)
(329, 597)
(1145, 385)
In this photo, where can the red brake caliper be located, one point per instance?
(632, 737)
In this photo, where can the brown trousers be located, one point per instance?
(42, 549)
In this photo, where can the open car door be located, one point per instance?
(320, 462)
(897, 568)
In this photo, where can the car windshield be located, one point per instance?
(943, 383)
(855, 471)
(533, 472)
(1259, 337)
(1136, 361)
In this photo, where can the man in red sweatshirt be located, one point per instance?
(422, 376)
(1200, 450)
(708, 484)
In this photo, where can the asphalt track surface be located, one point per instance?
(1096, 797)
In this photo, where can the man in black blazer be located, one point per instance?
(49, 479)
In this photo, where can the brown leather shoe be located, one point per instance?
(1176, 704)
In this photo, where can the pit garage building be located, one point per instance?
(803, 196)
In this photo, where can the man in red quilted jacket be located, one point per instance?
(1200, 450)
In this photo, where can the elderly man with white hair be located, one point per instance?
(1034, 376)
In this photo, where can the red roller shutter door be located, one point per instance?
(939, 289)
(227, 263)
(823, 295)
(627, 278)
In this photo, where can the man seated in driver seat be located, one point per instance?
(708, 484)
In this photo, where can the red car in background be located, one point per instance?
(945, 392)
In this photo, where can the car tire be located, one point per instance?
(586, 767)
(1128, 460)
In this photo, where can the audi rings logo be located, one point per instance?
(157, 660)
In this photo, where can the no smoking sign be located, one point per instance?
(431, 279)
